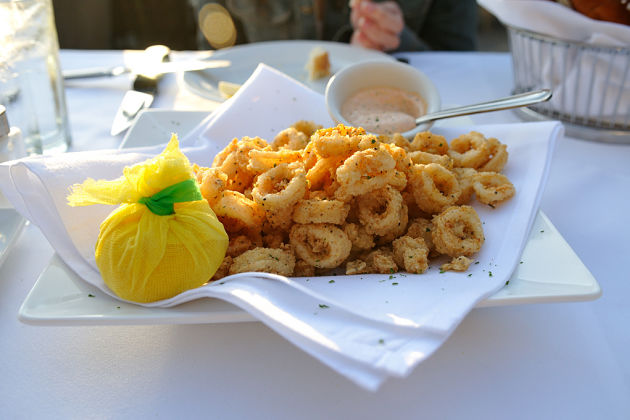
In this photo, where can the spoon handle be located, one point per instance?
(514, 101)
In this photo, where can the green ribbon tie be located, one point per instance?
(162, 202)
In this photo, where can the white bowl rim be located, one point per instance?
(429, 92)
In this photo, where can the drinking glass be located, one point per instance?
(31, 85)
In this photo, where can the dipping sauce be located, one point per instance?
(383, 110)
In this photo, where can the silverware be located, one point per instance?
(162, 68)
(144, 89)
(515, 101)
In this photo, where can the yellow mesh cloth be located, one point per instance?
(144, 257)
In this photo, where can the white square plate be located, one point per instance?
(11, 224)
(549, 270)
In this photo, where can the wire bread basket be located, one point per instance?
(590, 83)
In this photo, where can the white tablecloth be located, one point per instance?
(544, 361)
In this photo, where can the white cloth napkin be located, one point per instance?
(591, 83)
(367, 327)
(558, 21)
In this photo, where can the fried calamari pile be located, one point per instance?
(316, 199)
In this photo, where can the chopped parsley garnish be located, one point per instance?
(321, 305)
(91, 295)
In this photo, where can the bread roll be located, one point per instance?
(607, 10)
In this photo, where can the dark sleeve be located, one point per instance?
(439, 25)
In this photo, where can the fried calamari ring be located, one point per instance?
(465, 177)
(422, 228)
(213, 181)
(410, 202)
(277, 191)
(361, 240)
(357, 267)
(199, 172)
(274, 238)
(457, 231)
(424, 158)
(322, 173)
(460, 263)
(307, 127)
(234, 159)
(380, 261)
(398, 180)
(265, 260)
(469, 150)
(223, 154)
(492, 188)
(335, 141)
(365, 171)
(434, 187)
(254, 235)
(369, 141)
(239, 244)
(411, 254)
(263, 160)
(237, 212)
(498, 156)
(291, 139)
(379, 210)
(403, 161)
(396, 139)
(426, 141)
(309, 156)
(322, 245)
(398, 229)
(320, 211)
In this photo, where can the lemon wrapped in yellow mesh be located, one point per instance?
(164, 238)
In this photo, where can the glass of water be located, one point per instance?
(31, 85)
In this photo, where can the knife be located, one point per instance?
(169, 67)
(143, 91)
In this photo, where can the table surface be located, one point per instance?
(560, 360)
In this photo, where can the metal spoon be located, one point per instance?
(514, 101)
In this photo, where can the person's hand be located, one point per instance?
(376, 25)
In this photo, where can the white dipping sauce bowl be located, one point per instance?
(371, 74)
